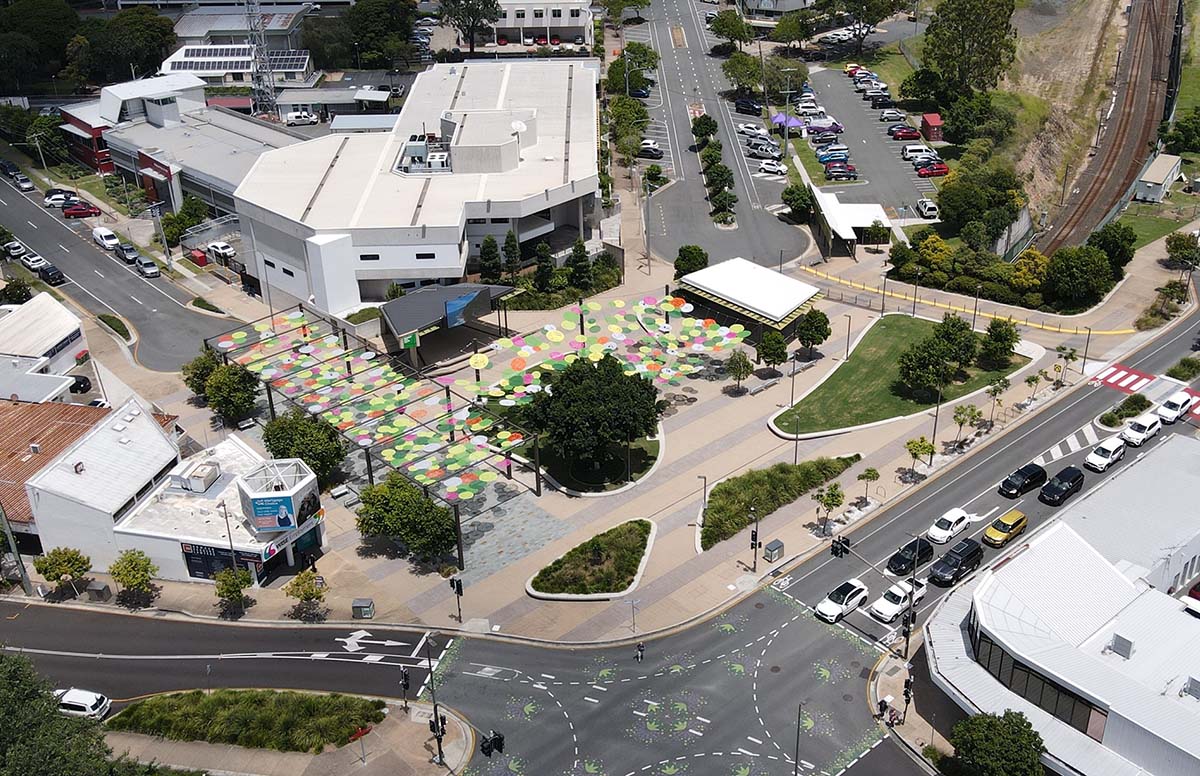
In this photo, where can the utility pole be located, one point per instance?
(916, 288)
(229, 533)
(437, 723)
(12, 547)
(796, 754)
(978, 289)
(936, 411)
(1086, 344)
(754, 541)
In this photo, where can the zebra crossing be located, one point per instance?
(1084, 438)
(770, 177)
(775, 209)
(1123, 378)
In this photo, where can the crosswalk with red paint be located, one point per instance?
(1123, 378)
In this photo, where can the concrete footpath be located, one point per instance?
(398, 746)
(930, 718)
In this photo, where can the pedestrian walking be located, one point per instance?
(641, 651)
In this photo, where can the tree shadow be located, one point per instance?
(137, 599)
(233, 611)
(735, 390)
(379, 547)
(309, 611)
(767, 373)
(909, 476)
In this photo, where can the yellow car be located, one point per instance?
(851, 67)
(1005, 528)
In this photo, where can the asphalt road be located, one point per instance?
(690, 81)
(169, 333)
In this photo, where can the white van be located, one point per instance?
(909, 151)
(810, 110)
(104, 237)
(300, 117)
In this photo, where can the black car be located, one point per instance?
(641, 92)
(1062, 485)
(1023, 480)
(748, 107)
(919, 549)
(51, 275)
(81, 384)
(840, 175)
(52, 191)
(962, 559)
(9, 168)
(812, 55)
(126, 253)
(882, 102)
(822, 138)
(650, 153)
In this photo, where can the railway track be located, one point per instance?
(1122, 152)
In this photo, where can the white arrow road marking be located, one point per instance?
(354, 642)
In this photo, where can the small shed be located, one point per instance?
(1156, 181)
(931, 126)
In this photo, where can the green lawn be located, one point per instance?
(863, 389)
(953, 241)
(887, 61)
(1149, 227)
(1189, 85)
(606, 563)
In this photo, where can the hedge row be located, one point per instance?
(766, 490)
(606, 563)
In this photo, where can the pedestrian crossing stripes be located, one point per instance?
(1084, 438)
(1123, 378)
(775, 209)
(766, 176)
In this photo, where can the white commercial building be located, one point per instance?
(42, 328)
(480, 148)
(562, 23)
(120, 485)
(223, 65)
(1078, 628)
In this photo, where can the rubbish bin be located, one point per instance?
(98, 591)
(773, 551)
(363, 608)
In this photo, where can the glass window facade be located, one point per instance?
(1039, 690)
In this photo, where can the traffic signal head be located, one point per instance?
(433, 726)
(485, 746)
(498, 741)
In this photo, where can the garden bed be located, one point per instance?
(261, 719)
(866, 388)
(606, 564)
(116, 325)
(1131, 407)
(729, 502)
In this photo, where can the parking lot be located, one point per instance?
(892, 182)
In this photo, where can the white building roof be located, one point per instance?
(1163, 170)
(1166, 516)
(844, 217)
(188, 516)
(87, 112)
(753, 286)
(349, 181)
(107, 465)
(34, 328)
(212, 61)
(366, 122)
(112, 97)
(20, 379)
(200, 22)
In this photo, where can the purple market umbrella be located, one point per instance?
(794, 122)
(779, 119)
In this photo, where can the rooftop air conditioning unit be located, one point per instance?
(201, 477)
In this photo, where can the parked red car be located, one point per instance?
(541, 40)
(555, 40)
(81, 210)
(840, 166)
(910, 133)
(935, 170)
(501, 40)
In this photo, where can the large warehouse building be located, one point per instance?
(479, 149)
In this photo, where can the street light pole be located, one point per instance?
(848, 320)
(936, 411)
(883, 303)
(796, 754)
(916, 288)
(978, 288)
(703, 491)
(1086, 344)
(229, 533)
(792, 403)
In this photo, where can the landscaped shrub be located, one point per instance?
(606, 563)
(766, 490)
(1187, 369)
(1110, 419)
(116, 324)
(261, 719)
(1133, 406)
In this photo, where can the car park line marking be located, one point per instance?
(97, 272)
(2, 202)
(705, 721)
(134, 298)
(35, 226)
(755, 740)
(65, 248)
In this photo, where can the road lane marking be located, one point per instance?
(35, 226)
(590, 700)
(755, 740)
(549, 676)
(134, 298)
(705, 721)
(93, 296)
(97, 272)
(65, 248)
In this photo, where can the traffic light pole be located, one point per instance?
(457, 586)
(435, 724)
(754, 542)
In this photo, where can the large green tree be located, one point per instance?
(470, 17)
(998, 344)
(594, 410)
(957, 334)
(197, 371)
(330, 41)
(1078, 276)
(543, 273)
(812, 329)
(580, 265)
(772, 349)
(691, 258)
(376, 25)
(398, 509)
(795, 27)
(19, 60)
(137, 37)
(512, 255)
(48, 23)
(43, 132)
(1116, 240)
(799, 201)
(971, 43)
(300, 435)
(63, 567)
(622, 79)
(927, 366)
(990, 745)
(77, 62)
(489, 261)
(640, 56)
(231, 391)
(729, 25)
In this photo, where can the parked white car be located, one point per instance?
(1142, 429)
(60, 199)
(949, 525)
(773, 167)
(1105, 454)
(33, 262)
(1176, 406)
(650, 144)
(752, 129)
(895, 601)
(82, 703)
(222, 250)
(891, 114)
(848, 596)
(927, 208)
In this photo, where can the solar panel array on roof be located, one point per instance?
(288, 60)
(210, 65)
(212, 52)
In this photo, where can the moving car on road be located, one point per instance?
(962, 559)
(918, 551)
(1062, 485)
(1176, 406)
(82, 703)
(1005, 528)
(1142, 429)
(897, 599)
(1023, 480)
(1105, 454)
(847, 597)
(949, 525)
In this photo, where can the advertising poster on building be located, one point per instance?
(282, 512)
